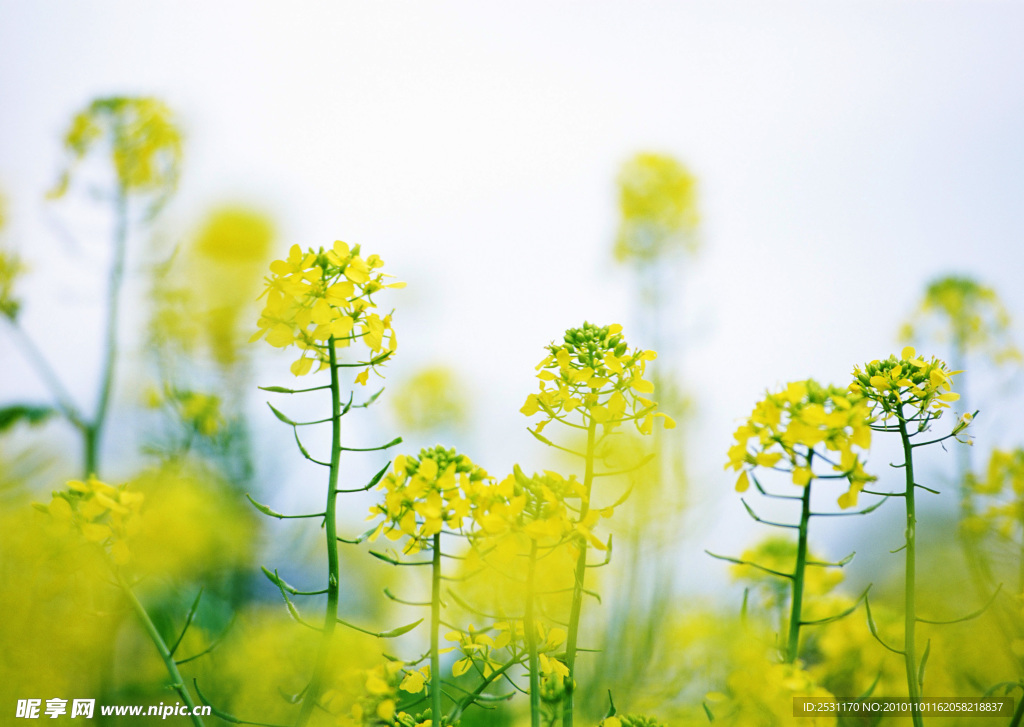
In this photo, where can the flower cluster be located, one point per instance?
(316, 299)
(658, 202)
(909, 380)
(426, 493)
(476, 646)
(786, 427)
(595, 373)
(199, 412)
(104, 514)
(366, 697)
(144, 142)
(1002, 489)
(969, 313)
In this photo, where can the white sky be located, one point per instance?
(847, 152)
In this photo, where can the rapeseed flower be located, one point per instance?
(594, 373)
(785, 431)
(425, 493)
(320, 298)
(104, 514)
(140, 135)
(658, 204)
(907, 380)
(965, 313)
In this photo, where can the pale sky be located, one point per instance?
(847, 152)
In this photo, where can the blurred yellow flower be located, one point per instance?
(658, 204)
(963, 312)
(139, 134)
(431, 399)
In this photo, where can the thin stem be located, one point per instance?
(1018, 714)
(910, 580)
(64, 401)
(435, 624)
(309, 699)
(161, 646)
(577, 592)
(796, 606)
(530, 627)
(94, 431)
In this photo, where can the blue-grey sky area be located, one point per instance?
(847, 152)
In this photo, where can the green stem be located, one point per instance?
(530, 627)
(161, 646)
(64, 401)
(435, 626)
(796, 606)
(1018, 714)
(94, 430)
(577, 591)
(910, 579)
(331, 534)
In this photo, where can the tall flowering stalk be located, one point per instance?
(321, 302)
(143, 146)
(590, 382)
(907, 394)
(810, 432)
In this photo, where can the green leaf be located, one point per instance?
(28, 413)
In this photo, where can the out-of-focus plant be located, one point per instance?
(109, 518)
(965, 315)
(204, 291)
(658, 207)
(322, 302)
(528, 544)
(796, 430)
(994, 524)
(657, 235)
(11, 268)
(140, 141)
(200, 296)
(906, 394)
(425, 497)
(591, 382)
(431, 399)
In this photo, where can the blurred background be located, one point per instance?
(821, 165)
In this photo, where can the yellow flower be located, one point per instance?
(962, 311)
(144, 143)
(423, 494)
(907, 380)
(658, 204)
(104, 514)
(799, 426)
(324, 298)
(594, 377)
